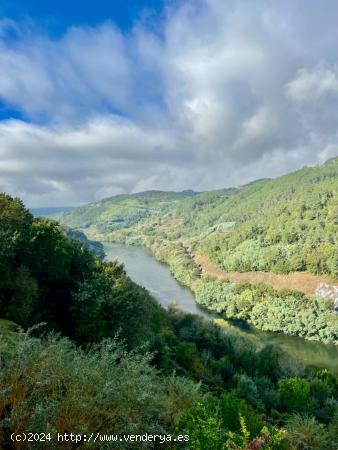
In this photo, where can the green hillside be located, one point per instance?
(81, 361)
(285, 224)
(282, 225)
(121, 211)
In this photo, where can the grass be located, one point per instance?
(10, 333)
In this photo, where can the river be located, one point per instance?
(157, 279)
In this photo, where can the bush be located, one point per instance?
(306, 433)
(294, 393)
(48, 385)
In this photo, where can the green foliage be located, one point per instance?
(306, 433)
(120, 211)
(282, 225)
(15, 227)
(15, 223)
(51, 278)
(55, 258)
(333, 431)
(108, 303)
(270, 310)
(180, 263)
(233, 408)
(10, 334)
(95, 384)
(266, 440)
(294, 393)
(203, 426)
(247, 389)
(50, 386)
(209, 428)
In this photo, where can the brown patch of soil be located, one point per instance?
(296, 281)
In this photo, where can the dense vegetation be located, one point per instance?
(286, 312)
(282, 225)
(47, 277)
(108, 371)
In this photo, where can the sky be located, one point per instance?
(109, 97)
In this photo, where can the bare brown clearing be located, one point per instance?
(296, 281)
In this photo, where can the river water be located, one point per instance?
(157, 279)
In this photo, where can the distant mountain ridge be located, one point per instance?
(49, 210)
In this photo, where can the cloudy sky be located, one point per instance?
(99, 98)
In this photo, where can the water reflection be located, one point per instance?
(157, 279)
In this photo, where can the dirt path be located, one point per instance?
(297, 281)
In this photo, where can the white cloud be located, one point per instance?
(222, 93)
(87, 69)
(310, 85)
(105, 156)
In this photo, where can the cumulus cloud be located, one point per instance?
(87, 69)
(219, 94)
(310, 85)
(105, 156)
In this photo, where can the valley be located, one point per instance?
(246, 362)
(156, 278)
(255, 253)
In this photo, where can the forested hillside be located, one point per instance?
(288, 224)
(281, 225)
(108, 372)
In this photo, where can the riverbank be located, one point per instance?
(281, 311)
(156, 278)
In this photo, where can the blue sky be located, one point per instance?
(56, 16)
(102, 98)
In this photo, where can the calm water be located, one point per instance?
(156, 278)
